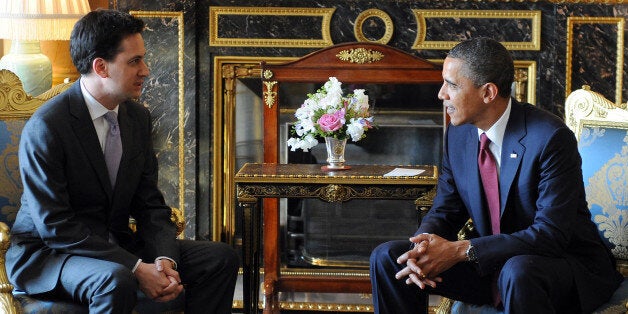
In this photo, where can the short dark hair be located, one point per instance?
(486, 60)
(99, 34)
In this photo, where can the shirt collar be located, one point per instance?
(496, 132)
(95, 108)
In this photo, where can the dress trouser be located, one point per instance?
(527, 284)
(208, 269)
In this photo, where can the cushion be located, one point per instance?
(604, 150)
(31, 305)
(10, 183)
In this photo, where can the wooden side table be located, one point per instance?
(267, 181)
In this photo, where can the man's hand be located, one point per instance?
(430, 256)
(161, 286)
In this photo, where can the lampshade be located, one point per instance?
(26, 22)
(40, 19)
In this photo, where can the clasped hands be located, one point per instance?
(429, 257)
(159, 281)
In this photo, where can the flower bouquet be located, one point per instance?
(330, 115)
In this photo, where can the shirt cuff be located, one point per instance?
(137, 264)
(174, 264)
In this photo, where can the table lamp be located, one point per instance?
(25, 23)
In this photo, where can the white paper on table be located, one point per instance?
(399, 172)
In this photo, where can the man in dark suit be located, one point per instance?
(71, 238)
(539, 251)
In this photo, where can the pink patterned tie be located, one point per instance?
(488, 172)
(113, 146)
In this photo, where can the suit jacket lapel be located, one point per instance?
(86, 133)
(512, 152)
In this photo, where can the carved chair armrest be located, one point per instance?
(176, 216)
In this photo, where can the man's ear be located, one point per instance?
(99, 65)
(490, 92)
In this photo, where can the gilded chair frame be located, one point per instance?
(15, 104)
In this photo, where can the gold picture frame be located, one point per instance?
(324, 13)
(422, 15)
(619, 22)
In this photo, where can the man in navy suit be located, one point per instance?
(546, 255)
(71, 238)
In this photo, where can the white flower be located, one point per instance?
(304, 143)
(355, 129)
(333, 86)
(360, 102)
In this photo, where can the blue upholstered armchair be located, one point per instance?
(601, 128)
(15, 109)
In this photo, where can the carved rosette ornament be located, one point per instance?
(360, 55)
(267, 74)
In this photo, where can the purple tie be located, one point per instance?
(113, 146)
(488, 172)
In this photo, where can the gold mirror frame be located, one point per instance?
(227, 70)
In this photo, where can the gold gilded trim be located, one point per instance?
(269, 94)
(525, 81)
(324, 13)
(585, 104)
(333, 263)
(267, 75)
(422, 15)
(181, 90)
(228, 69)
(619, 22)
(362, 17)
(15, 103)
(314, 306)
(583, 1)
(360, 55)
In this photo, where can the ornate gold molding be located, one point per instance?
(362, 17)
(582, 1)
(324, 13)
(585, 104)
(619, 66)
(422, 15)
(360, 55)
(181, 93)
(267, 75)
(228, 69)
(269, 94)
(15, 103)
(525, 81)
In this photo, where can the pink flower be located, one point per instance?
(330, 122)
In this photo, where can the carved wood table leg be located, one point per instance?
(271, 255)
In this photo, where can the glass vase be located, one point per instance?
(335, 153)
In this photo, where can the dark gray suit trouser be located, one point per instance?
(208, 270)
